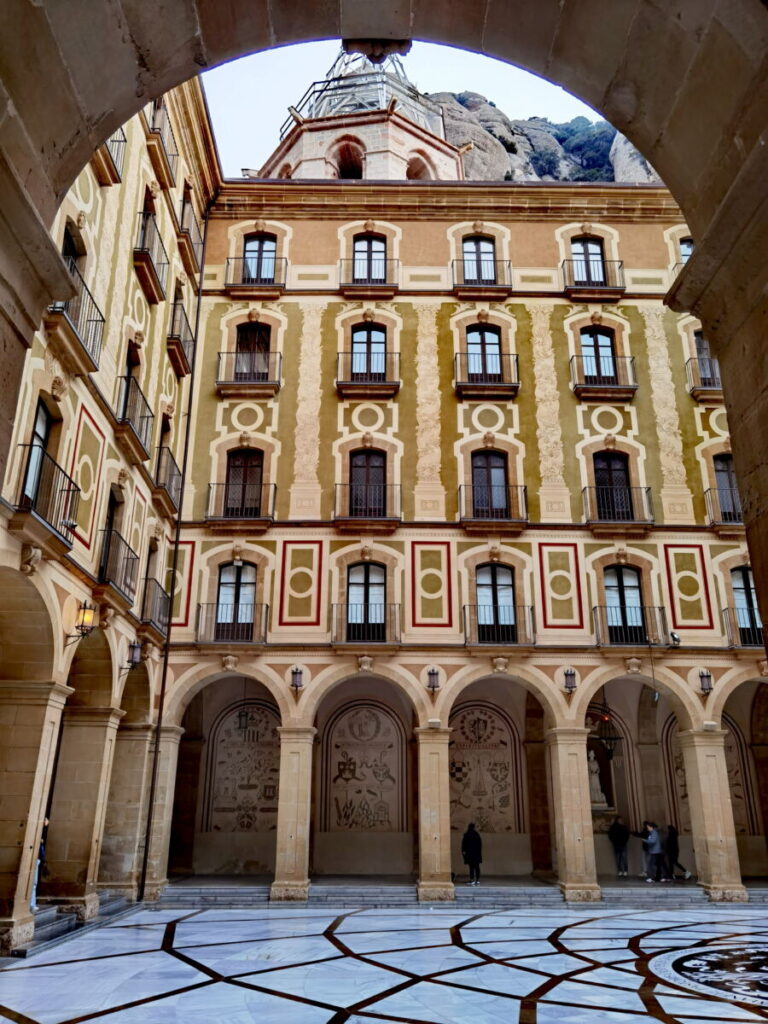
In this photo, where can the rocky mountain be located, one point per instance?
(537, 149)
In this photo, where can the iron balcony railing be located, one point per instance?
(482, 273)
(249, 368)
(723, 506)
(496, 502)
(148, 240)
(630, 625)
(366, 623)
(368, 367)
(498, 624)
(156, 606)
(188, 223)
(593, 273)
(168, 475)
(119, 563)
(367, 501)
(370, 271)
(703, 374)
(491, 368)
(116, 144)
(242, 623)
(134, 410)
(603, 372)
(256, 271)
(743, 627)
(83, 314)
(618, 504)
(241, 501)
(180, 329)
(48, 491)
(161, 123)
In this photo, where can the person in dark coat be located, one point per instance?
(472, 852)
(672, 852)
(619, 834)
(643, 835)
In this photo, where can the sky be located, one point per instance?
(249, 97)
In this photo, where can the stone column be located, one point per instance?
(160, 840)
(126, 809)
(30, 716)
(709, 801)
(293, 813)
(79, 807)
(572, 812)
(434, 815)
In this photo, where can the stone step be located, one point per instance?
(54, 926)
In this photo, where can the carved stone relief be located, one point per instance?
(548, 429)
(664, 399)
(308, 400)
(427, 397)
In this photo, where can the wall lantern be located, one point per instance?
(569, 676)
(705, 681)
(134, 655)
(84, 623)
(433, 680)
(297, 680)
(674, 638)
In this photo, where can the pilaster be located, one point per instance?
(293, 813)
(434, 815)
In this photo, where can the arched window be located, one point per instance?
(588, 261)
(490, 492)
(496, 618)
(624, 605)
(259, 256)
(369, 353)
(367, 483)
(479, 260)
(484, 354)
(236, 602)
(418, 169)
(748, 619)
(598, 356)
(252, 352)
(243, 486)
(686, 249)
(612, 487)
(349, 160)
(366, 602)
(727, 489)
(369, 265)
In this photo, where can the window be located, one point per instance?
(259, 257)
(496, 621)
(366, 602)
(236, 602)
(745, 600)
(252, 352)
(612, 491)
(588, 261)
(624, 605)
(727, 489)
(369, 353)
(490, 494)
(479, 258)
(367, 483)
(686, 249)
(34, 479)
(369, 265)
(483, 354)
(349, 160)
(709, 369)
(242, 490)
(72, 248)
(598, 356)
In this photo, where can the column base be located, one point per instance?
(127, 889)
(573, 893)
(85, 907)
(726, 893)
(289, 892)
(15, 932)
(154, 890)
(435, 892)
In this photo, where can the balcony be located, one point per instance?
(604, 378)
(486, 375)
(46, 504)
(75, 328)
(630, 626)
(167, 490)
(368, 374)
(258, 277)
(724, 513)
(493, 508)
(190, 239)
(107, 161)
(367, 507)
(180, 341)
(374, 278)
(477, 279)
(593, 280)
(704, 383)
(241, 506)
(150, 260)
(249, 374)
(232, 624)
(743, 627)
(366, 624)
(499, 625)
(134, 421)
(618, 510)
(118, 572)
(163, 150)
(155, 612)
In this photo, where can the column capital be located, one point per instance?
(702, 738)
(566, 734)
(297, 733)
(20, 691)
(93, 716)
(426, 734)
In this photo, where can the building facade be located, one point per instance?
(395, 501)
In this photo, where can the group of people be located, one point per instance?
(661, 851)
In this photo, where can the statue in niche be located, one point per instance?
(596, 794)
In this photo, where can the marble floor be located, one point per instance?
(586, 965)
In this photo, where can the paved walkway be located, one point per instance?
(588, 965)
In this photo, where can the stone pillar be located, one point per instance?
(655, 803)
(126, 809)
(572, 812)
(30, 716)
(293, 813)
(434, 815)
(709, 801)
(160, 840)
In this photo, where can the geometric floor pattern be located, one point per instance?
(584, 965)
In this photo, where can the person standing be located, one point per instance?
(672, 851)
(643, 835)
(619, 834)
(472, 852)
(655, 854)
